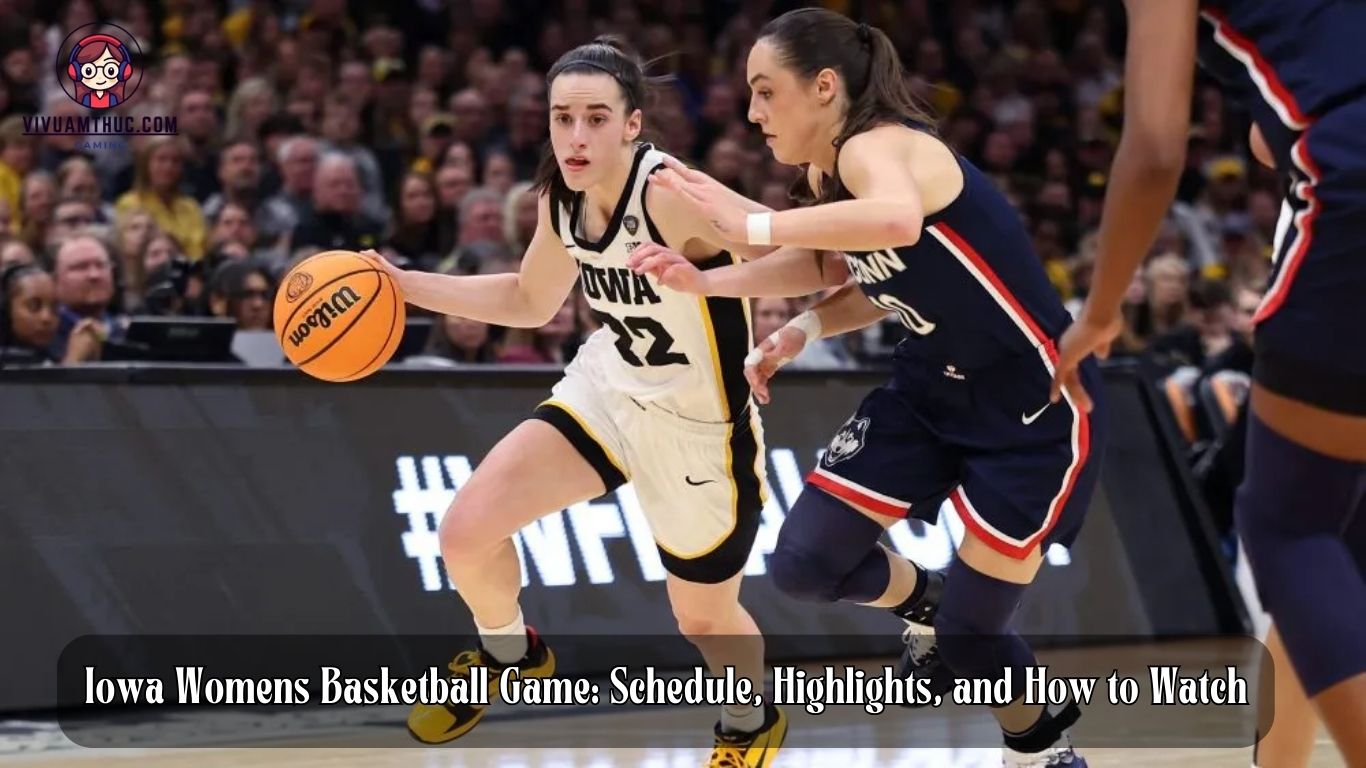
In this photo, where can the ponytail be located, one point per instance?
(813, 39)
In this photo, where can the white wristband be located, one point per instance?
(759, 228)
(808, 323)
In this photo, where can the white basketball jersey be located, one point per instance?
(684, 353)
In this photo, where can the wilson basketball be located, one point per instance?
(338, 316)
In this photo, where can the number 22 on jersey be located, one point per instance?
(628, 329)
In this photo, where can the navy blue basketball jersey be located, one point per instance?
(971, 291)
(1286, 60)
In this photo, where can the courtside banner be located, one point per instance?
(188, 502)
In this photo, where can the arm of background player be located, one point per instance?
(846, 310)
(1158, 78)
(783, 273)
(525, 299)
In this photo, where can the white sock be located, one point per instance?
(743, 719)
(507, 644)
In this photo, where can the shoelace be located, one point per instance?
(1049, 758)
(921, 642)
(726, 757)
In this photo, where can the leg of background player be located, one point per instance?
(1290, 741)
(476, 533)
(1017, 716)
(1301, 569)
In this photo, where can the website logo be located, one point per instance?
(97, 71)
(100, 69)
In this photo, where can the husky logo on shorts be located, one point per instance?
(846, 442)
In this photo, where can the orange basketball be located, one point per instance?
(338, 316)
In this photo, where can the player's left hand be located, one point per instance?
(1092, 333)
(671, 268)
(713, 201)
(768, 356)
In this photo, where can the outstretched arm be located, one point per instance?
(528, 298)
(785, 272)
(1158, 79)
(887, 211)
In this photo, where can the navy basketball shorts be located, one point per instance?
(1019, 471)
(1309, 329)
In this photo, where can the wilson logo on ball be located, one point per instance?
(331, 309)
(300, 282)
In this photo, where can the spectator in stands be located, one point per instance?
(527, 130)
(37, 199)
(519, 216)
(461, 340)
(244, 291)
(198, 124)
(77, 180)
(130, 236)
(341, 135)
(15, 251)
(472, 118)
(499, 172)
(416, 234)
(239, 180)
(18, 156)
(453, 183)
(84, 274)
(159, 171)
(1167, 288)
(337, 221)
(1205, 332)
(28, 315)
(233, 237)
(298, 163)
(252, 102)
(551, 344)
(435, 135)
(70, 216)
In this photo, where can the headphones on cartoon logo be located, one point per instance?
(125, 68)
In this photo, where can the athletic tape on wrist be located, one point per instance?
(808, 323)
(759, 228)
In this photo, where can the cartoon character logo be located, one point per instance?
(100, 68)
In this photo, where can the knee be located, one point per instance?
(693, 624)
(461, 540)
(803, 575)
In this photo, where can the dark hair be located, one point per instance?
(9, 277)
(608, 55)
(812, 39)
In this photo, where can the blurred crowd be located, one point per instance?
(414, 128)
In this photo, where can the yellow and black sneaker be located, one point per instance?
(441, 723)
(750, 750)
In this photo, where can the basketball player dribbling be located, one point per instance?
(966, 415)
(657, 396)
(1301, 509)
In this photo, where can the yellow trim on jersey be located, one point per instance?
(715, 356)
(583, 424)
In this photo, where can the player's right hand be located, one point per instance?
(768, 356)
(379, 261)
(669, 267)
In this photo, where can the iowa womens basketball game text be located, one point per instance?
(646, 686)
